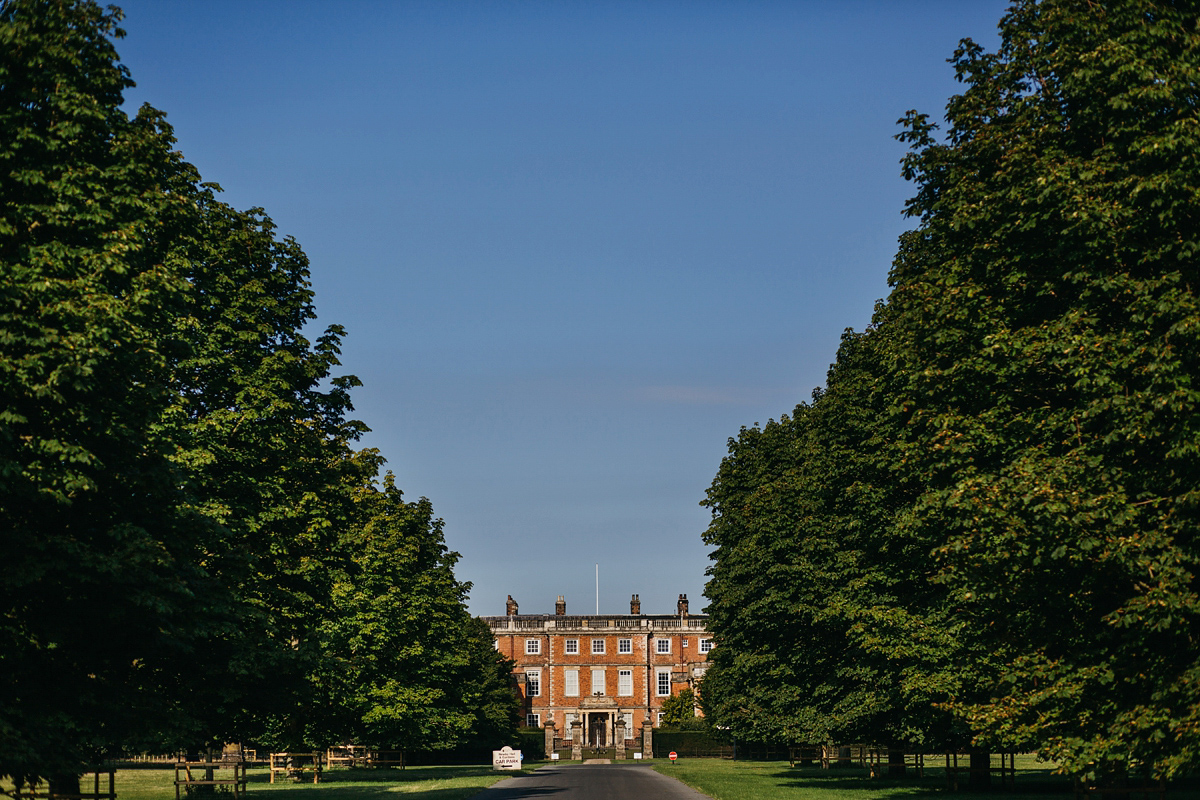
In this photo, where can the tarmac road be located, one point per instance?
(592, 782)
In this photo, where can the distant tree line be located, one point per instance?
(983, 532)
(193, 551)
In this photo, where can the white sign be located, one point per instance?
(506, 758)
(637, 756)
(554, 756)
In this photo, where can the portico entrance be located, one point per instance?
(597, 723)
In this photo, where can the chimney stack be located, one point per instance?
(511, 607)
(683, 605)
(560, 606)
(635, 605)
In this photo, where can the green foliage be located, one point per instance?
(261, 430)
(1050, 302)
(404, 662)
(802, 521)
(992, 508)
(103, 585)
(531, 742)
(702, 742)
(679, 709)
(194, 551)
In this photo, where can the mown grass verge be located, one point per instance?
(724, 779)
(415, 783)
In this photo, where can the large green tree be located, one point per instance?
(784, 669)
(992, 508)
(261, 431)
(183, 509)
(404, 663)
(826, 618)
(1050, 304)
(103, 589)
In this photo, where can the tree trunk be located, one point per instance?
(208, 771)
(63, 784)
(208, 788)
(980, 772)
(896, 761)
(843, 758)
(1112, 778)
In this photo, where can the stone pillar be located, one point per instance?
(619, 735)
(647, 741)
(549, 738)
(577, 740)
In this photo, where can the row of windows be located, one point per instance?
(533, 682)
(533, 647)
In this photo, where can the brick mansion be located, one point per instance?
(600, 680)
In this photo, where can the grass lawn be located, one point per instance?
(415, 783)
(719, 778)
(775, 780)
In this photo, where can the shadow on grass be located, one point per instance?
(352, 784)
(389, 776)
(355, 791)
(931, 785)
(380, 788)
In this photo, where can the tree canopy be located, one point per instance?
(1018, 543)
(101, 547)
(195, 551)
(679, 712)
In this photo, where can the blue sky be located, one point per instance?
(576, 245)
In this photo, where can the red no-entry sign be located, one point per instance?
(673, 755)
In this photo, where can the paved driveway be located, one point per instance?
(592, 782)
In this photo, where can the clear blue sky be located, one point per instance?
(576, 245)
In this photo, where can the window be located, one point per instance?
(658, 719)
(532, 721)
(624, 645)
(685, 642)
(533, 683)
(597, 647)
(664, 683)
(628, 725)
(567, 734)
(597, 682)
(496, 643)
(533, 647)
(662, 645)
(571, 647)
(625, 682)
(705, 645)
(571, 682)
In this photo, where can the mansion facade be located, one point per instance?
(591, 679)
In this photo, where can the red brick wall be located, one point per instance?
(644, 661)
